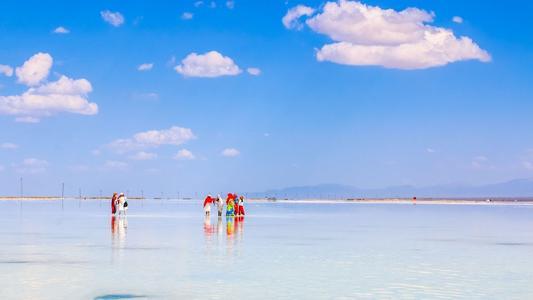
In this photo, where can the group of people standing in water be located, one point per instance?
(119, 204)
(234, 205)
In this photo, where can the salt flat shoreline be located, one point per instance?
(422, 201)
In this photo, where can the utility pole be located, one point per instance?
(62, 195)
(21, 188)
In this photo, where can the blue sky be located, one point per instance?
(457, 114)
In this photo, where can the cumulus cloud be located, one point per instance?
(291, 18)
(184, 154)
(187, 16)
(481, 162)
(230, 152)
(209, 65)
(8, 146)
(367, 35)
(6, 70)
(198, 3)
(254, 71)
(61, 30)
(430, 150)
(114, 18)
(115, 165)
(35, 69)
(64, 95)
(457, 20)
(145, 67)
(31, 166)
(230, 4)
(153, 138)
(141, 155)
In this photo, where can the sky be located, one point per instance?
(211, 96)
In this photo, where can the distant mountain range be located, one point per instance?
(513, 188)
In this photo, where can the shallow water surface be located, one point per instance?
(168, 250)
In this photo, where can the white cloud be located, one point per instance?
(141, 155)
(63, 95)
(366, 35)
(290, 20)
(187, 16)
(527, 160)
(9, 146)
(198, 3)
(230, 152)
(79, 168)
(213, 4)
(115, 165)
(172, 61)
(528, 165)
(457, 20)
(31, 166)
(430, 150)
(153, 138)
(150, 96)
(184, 154)
(61, 30)
(114, 18)
(145, 67)
(211, 64)
(254, 71)
(30, 120)
(35, 69)
(230, 4)
(6, 70)
(481, 162)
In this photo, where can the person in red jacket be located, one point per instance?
(207, 205)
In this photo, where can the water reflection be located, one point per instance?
(119, 227)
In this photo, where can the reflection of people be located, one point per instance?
(114, 203)
(118, 229)
(229, 226)
(207, 205)
(220, 228)
(114, 225)
(208, 228)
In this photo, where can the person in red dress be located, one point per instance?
(241, 206)
(114, 203)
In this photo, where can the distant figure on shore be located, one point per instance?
(114, 204)
(122, 204)
(207, 205)
(220, 205)
(240, 211)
